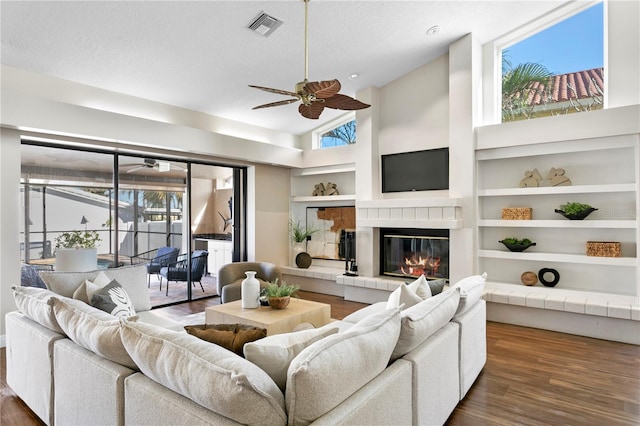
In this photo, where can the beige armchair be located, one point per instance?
(230, 277)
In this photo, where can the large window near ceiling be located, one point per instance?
(557, 71)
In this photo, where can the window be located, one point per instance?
(338, 133)
(557, 71)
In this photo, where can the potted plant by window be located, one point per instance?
(575, 211)
(76, 251)
(279, 295)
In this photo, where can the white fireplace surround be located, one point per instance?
(423, 213)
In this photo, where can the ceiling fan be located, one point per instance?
(150, 163)
(314, 96)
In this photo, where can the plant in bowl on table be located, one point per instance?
(575, 211)
(515, 244)
(279, 294)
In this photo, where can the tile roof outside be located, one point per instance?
(585, 83)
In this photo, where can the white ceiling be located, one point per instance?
(200, 55)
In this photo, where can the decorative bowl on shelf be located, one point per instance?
(517, 245)
(575, 211)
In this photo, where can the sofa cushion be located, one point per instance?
(114, 300)
(329, 371)
(34, 303)
(274, 353)
(91, 328)
(361, 314)
(436, 286)
(471, 289)
(419, 287)
(230, 336)
(132, 278)
(209, 375)
(89, 287)
(422, 320)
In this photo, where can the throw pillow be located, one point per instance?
(114, 300)
(274, 353)
(361, 314)
(29, 277)
(436, 286)
(229, 336)
(335, 367)
(471, 289)
(34, 303)
(92, 329)
(422, 320)
(419, 287)
(209, 375)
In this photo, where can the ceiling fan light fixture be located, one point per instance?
(313, 96)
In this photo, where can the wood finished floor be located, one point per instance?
(532, 377)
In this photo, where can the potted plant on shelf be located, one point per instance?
(279, 295)
(299, 234)
(575, 211)
(76, 251)
(517, 245)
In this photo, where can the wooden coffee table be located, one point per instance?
(276, 321)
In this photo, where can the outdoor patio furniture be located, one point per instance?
(178, 271)
(157, 259)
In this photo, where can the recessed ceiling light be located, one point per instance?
(433, 30)
(354, 76)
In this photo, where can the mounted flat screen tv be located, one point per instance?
(416, 171)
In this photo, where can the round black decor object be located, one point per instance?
(552, 283)
(303, 260)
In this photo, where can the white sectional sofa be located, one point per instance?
(386, 365)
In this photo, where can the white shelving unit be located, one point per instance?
(604, 173)
(303, 182)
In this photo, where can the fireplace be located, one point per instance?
(412, 252)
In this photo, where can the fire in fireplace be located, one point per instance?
(414, 252)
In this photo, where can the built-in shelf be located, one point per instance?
(595, 224)
(550, 190)
(323, 199)
(343, 168)
(559, 257)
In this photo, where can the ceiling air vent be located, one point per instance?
(264, 24)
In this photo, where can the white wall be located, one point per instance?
(10, 202)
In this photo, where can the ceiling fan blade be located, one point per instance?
(312, 111)
(278, 91)
(272, 104)
(135, 169)
(344, 102)
(323, 89)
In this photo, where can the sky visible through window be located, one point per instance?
(576, 44)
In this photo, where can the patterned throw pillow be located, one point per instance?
(114, 300)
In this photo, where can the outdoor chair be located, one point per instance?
(157, 258)
(178, 271)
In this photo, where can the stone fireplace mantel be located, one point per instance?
(434, 213)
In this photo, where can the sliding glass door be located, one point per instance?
(139, 207)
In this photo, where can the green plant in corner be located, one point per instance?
(574, 208)
(77, 239)
(276, 289)
(300, 233)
